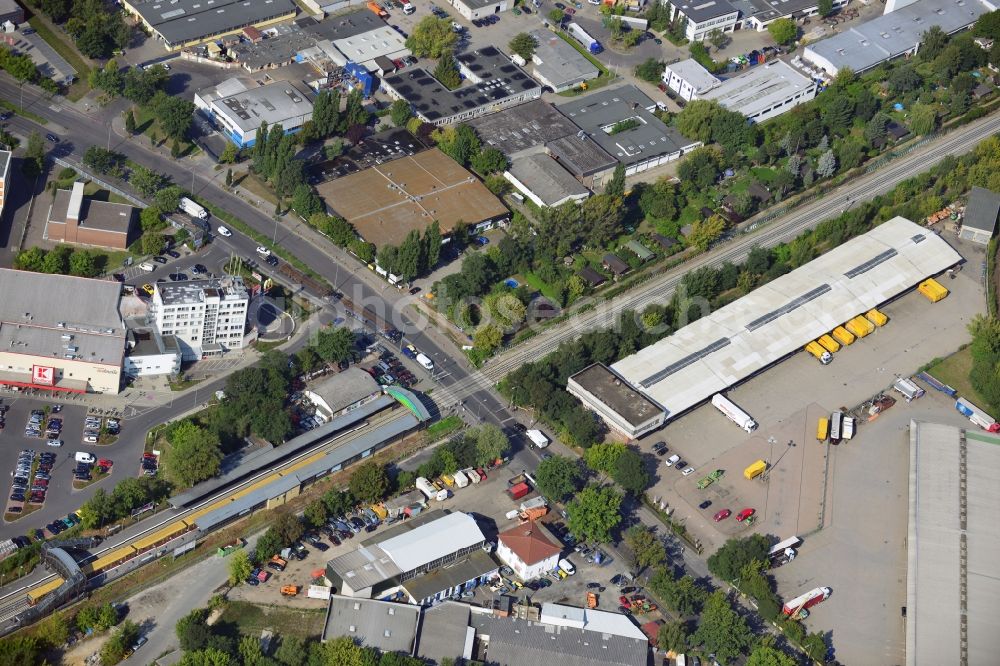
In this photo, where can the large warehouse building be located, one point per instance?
(733, 343)
(180, 23)
(60, 333)
(952, 543)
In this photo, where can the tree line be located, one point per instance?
(97, 30)
(23, 68)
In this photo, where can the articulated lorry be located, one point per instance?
(800, 603)
(783, 552)
(735, 414)
(977, 416)
(822, 355)
(582, 36)
(430, 490)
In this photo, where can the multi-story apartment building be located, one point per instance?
(207, 317)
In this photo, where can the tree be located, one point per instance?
(229, 177)
(783, 30)
(764, 655)
(239, 566)
(903, 79)
(34, 156)
(487, 338)
(335, 345)
(287, 527)
(705, 232)
(488, 161)
(56, 261)
(194, 454)
(923, 118)
(721, 630)
(400, 112)
(460, 143)
(145, 181)
(432, 37)
(192, 632)
(151, 219)
(558, 477)
(731, 130)
(876, 128)
(729, 560)
(115, 647)
(523, 45)
(825, 7)
(491, 443)
(695, 119)
(432, 244)
(305, 201)
(210, 656)
(229, 154)
(932, 43)
(556, 16)
(718, 39)
(672, 637)
(650, 70)
(292, 651)
(616, 186)
(594, 513)
(827, 164)
(603, 457)
(369, 483)
(630, 472)
(174, 113)
(149, 243)
(647, 549)
(54, 630)
(168, 198)
(82, 263)
(447, 71)
(326, 112)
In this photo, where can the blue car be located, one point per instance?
(482, 241)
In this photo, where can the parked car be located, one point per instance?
(705, 504)
(744, 514)
(722, 514)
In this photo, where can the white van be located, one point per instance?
(84, 457)
(567, 566)
(147, 266)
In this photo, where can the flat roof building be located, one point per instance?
(208, 317)
(60, 333)
(11, 11)
(980, 221)
(385, 626)
(735, 342)
(625, 409)
(386, 201)
(763, 92)
(180, 23)
(621, 121)
(78, 219)
(557, 64)
(951, 546)
(343, 392)
(473, 9)
(689, 79)
(240, 107)
(893, 35)
(544, 181)
(702, 17)
(381, 566)
(148, 353)
(492, 83)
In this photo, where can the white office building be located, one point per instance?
(207, 317)
(704, 16)
(764, 91)
(238, 107)
(689, 79)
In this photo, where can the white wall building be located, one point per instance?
(239, 107)
(148, 353)
(342, 392)
(704, 17)
(689, 79)
(473, 9)
(528, 549)
(764, 91)
(208, 317)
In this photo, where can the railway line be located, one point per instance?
(178, 523)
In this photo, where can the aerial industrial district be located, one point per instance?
(625, 332)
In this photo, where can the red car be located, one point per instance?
(570, 11)
(624, 602)
(723, 514)
(744, 514)
(104, 462)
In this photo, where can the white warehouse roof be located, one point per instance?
(432, 541)
(780, 317)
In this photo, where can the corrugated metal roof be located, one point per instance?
(433, 541)
(780, 317)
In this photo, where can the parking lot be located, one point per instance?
(849, 502)
(39, 432)
(488, 502)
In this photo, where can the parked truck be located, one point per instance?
(977, 416)
(829, 343)
(461, 480)
(423, 360)
(193, 209)
(860, 327)
(822, 355)
(430, 490)
(582, 36)
(378, 10)
(823, 429)
(800, 603)
(836, 422)
(473, 475)
(519, 490)
(848, 428)
(289, 590)
(735, 414)
(932, 290)
(907, 388)
(538, 438)
(709, 480)
(842, 335)
(783, 552)
(876, 317)
(755, 470)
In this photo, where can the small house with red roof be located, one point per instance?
(529, 549)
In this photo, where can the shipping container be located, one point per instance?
(823, 429)
(822, 355)
(860, 326)
(755, 470)
(932, 290)
(842, 335)
(829, 344)
(519, 490)
(876, 317)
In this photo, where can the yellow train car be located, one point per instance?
(267, 480)
(302, 463)
(35, 594)
(113, 558)
(192, 520)
(161, 536)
